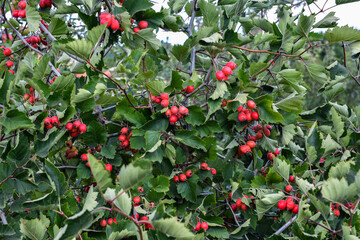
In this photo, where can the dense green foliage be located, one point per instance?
(90, 149)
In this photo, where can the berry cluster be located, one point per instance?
(163, 99)
(175, 113)
(9, 64)
(226, 71)
(71, 152)
(125, 140)
(35, 41)
(109, 222)
(201, 225)
(45, 3)
(243, 149)
(145, 220)
(50, 122)
(183, 177)
(272, 155)
(31, 96)
(188, 89)
(6, 51)
(289, 205)
(75, 128)
(248, 114)
(21, 13)
(109, 20)
(204, 167)
(141, 25)
(239, 204)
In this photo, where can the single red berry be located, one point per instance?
(84, 157)
(26, 96)
(182, 177)
(291, 179)
(213, 171)
(31, 99)
(288, 188)
(245, 149)
(322, 160)
(281, 204)
(110, 221)
(55, 121)
(9, 64)
(47, 121)
(74, 134)
(242, 117)
(183, 110)
(189, 89)
(49, 126)
(122, 138)
(240, 109)
(233, 207)
(176, 179)
(76, 124)
(204, 166)
(290, 205)
(289, 199)
(277, 152)
(144, 218)
(231, 65)
(337, 212)
(198, 226)
(173, 119)
(143, 24)
(220, 75)
(174, 109)
(48, 3)
(115, 24)
(251, 104)
(244, 207)
(136, 30)
(295, 209)
(136, 216)
(204, 226)
(258, 135)
(103, 223)
(137, 200)
(7, 51)
(124, 130)
(227, 71)
(251, 144)
(164, 96)
(230, 195)
(238, 203)
(164, 103)
(69, 126)
(108, 167)
(168, 113)
(248, 117)
(267, 132)
(82, 127)
(15, 13)
(255, 115)
(189, 173)
(140, 189)
(22, 13)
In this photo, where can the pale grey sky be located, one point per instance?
(349, 14)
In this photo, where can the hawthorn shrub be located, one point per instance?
(108, 133)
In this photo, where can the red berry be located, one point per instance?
(183, 110)
(189, 173)
(248, 117)
(76, 124)
(243, 206)
(251, 144)
(254, 115)
(136, 30)
(69, 126)
(144, 218)
(22, 13)
(231, 65)
(233, 207)
(288, 188)
(277, 152)
(143, 24)
(140, 189)
(290, 205)
(198, 226)
(84, 157)
(108, 167)
(26, 96)
(49, 126)
(242, 117)
(136, 216)
(7, 51)
(48, 3)
(220, 75)
(190, 89)
(245, 149)
(204, 226)
(238, 203)
(289, 199)
(165, 103)
(47, 121)
(15, 13)
(137, 200)
(55, 121)
(176, 179)
(281, 204)
(168, 113)
(173, 119)
(22, 4)
(82, 127)
(337, 212)
(227, 71)
(103, 223)
(122, 138)
(164, 96)
(174, 109)
(295, 209)
(115, 24)
(291, 179)
(322, 160)
(240, 109)
(110, 221)
(74, 134)
(182, 177)
(213, 171)
(31, 99)
(124, 130)
(251, 104)
(267, 132)
(9, 64)
(230, 195)
(204, 166)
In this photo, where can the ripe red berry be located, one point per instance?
(277, 152)
(49, 126)
(110, 221)
(143, 24)
(137, 200)
(69, 126)
(74, 134)
(231, 65)
(174, 109)
(140, 189)
(288, 188)
(9, 64)
(76, 124)
(233, 207)
(173, 119)
(55, 121)
(124, 130)
(189, 173)
(238, 203)
(7, 51)
(108, 167)
(230, 195)
(245, 149)
(182, 177)
(337, 212)
(189, 89)
(136, 30)
(322, 160)
(204, 226)
(144, 218)
(103, 223)
(198, 226)
(115, 24)
(22, 13)
(15, 13)
(244, 207)
(227, 71)
(168, 113)
(291, 179)
(122, 138)
(242, 117)
(84, 157)
(22, 4)
(220, 75)
(204, 166)
(267, 132)
(248, 117)
(176, 179)
(251, 104)
(240, 109)
(26, 96)
(295, 209)
(164, 96)
(281, 204)
(48, 3)
(82, 127)
(290, 205)
(251, 144)
(255, 115)
(183, 110)
(47, 121)
(31, 99)
(213, 171)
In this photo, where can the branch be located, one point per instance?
(3, 217)
(189, 30)
(286, 225)
(130, 218)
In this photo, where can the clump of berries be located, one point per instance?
(109, 20)
(201, 225)
(188, 89)
(35, 41)
(51, 122)
(248, 114)
(30, 97)
(288, 204)
(75, 128)
(204, 167)
(110, 221)
(45, 4)
(20, 12)
(71, 152)
(141, 25)
(225, 72)
(175, 113)
(239, 204)
(163, 99)
(183, 177)
(272, 155)
(124, 139)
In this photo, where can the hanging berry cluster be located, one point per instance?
(240, 205)
(225, 72)
(204, 167)
(183, 177)
(163, 99)
(35, 41)
(21, 12)
(141, 25)
(125, 140)
(109, 20)
(175, 113)
(45, 3)
(51, 122)
(75, 128)
(288, 204)
(30, 97)
(248, 114)
(201, 225)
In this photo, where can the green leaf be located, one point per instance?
(265, 204)
(90, 201)
(317, 73)
(328, 21)
(263, 24)
(337, 122)
(40, 71)
(108, 151)
(172, 228)
(14, 119)
(32, 18)
(121, 235)
(336, 190)
(291, 77)
(210, 13)
(42, 147)
(34, 229)
(81, 96)
(188, 189)
(123, 202)
(220, 90)
(344, 33)
(282, 168)
(57, 177)
(338, 2)
(156, 87)
(188, 138)
(288, 133)
(269, 144)
(130, 175)
(80, 48)
(148, 36)
(196, 116)
(74, 225)
(340, 170)
(181, 53)
(177, 5)
(292, 103)
(95, 34)
(160, 183)
(136, 6)
(101, 176)
(95, 134)
(62, 82)
(305, 24)
(57, 27)
(218, 232)
(151, 139)
(266, 112)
